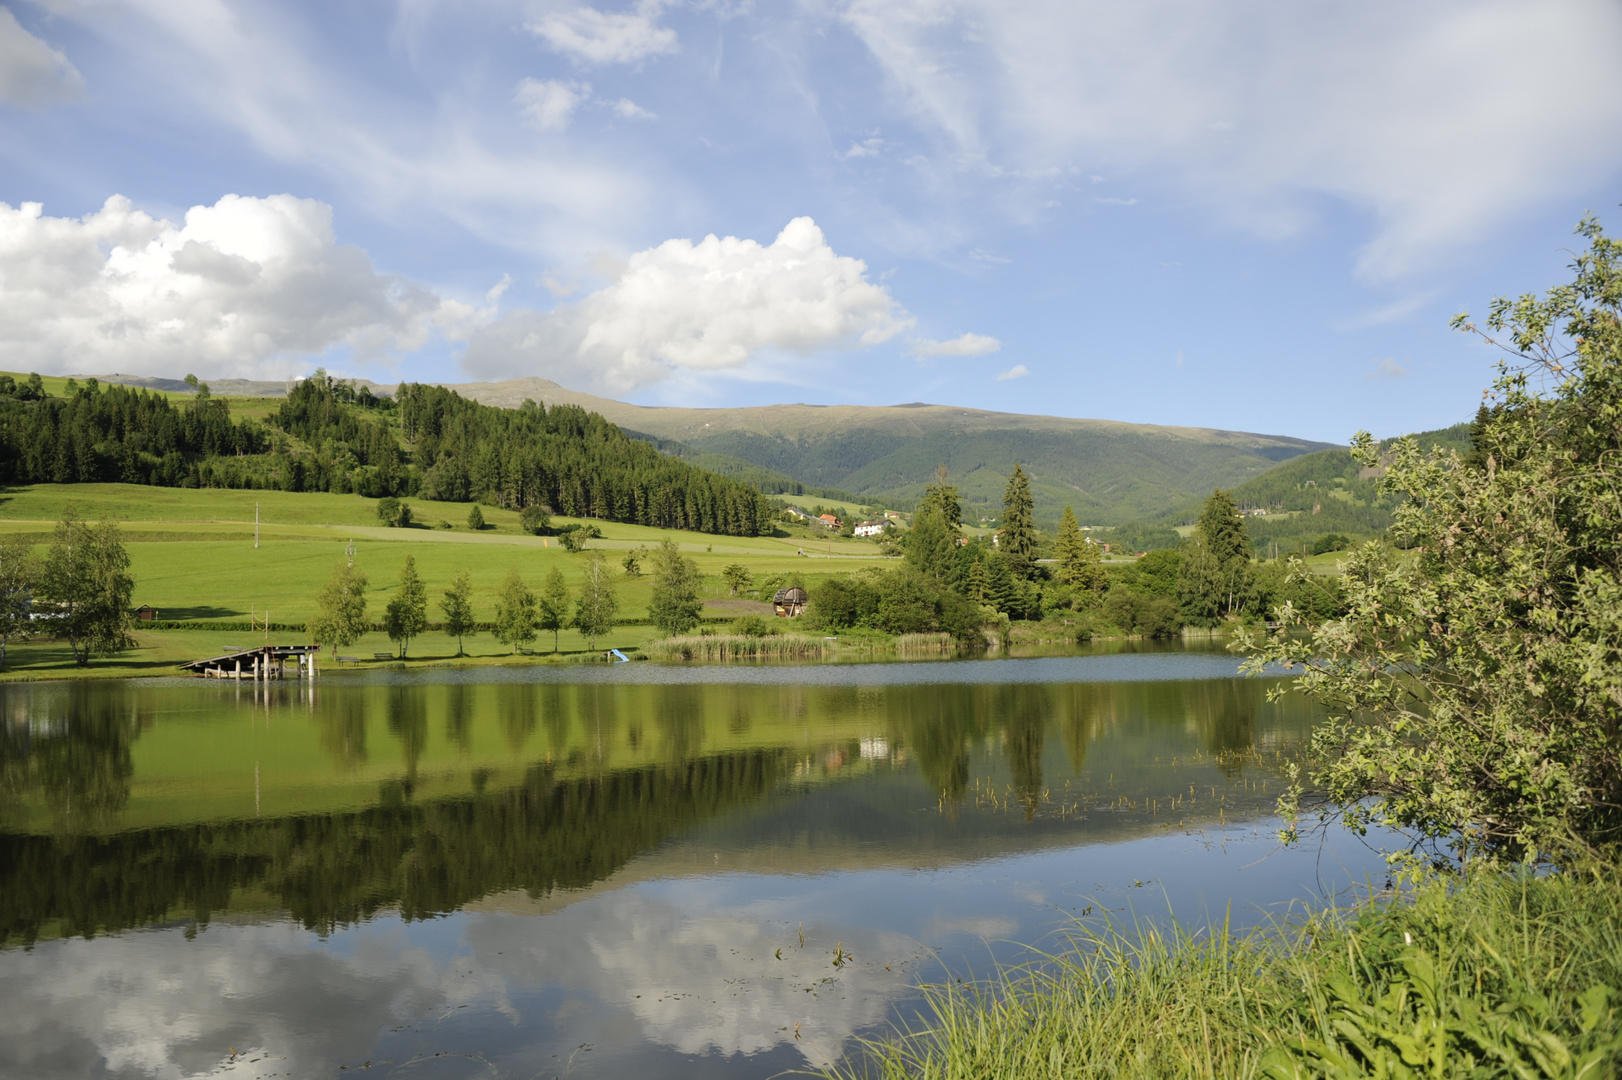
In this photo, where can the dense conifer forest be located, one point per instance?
(428, 442)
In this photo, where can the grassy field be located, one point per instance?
(193, 558)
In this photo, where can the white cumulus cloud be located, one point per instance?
(1018, 371)
(31, 72)
(607, 37)
(686, 307)
(962, 345)
(242, 287)
(549, 104)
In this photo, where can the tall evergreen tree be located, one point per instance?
(1081, 563)
(458, 609)
(942, 496)
(406, 615)
(1018, 543)
(1215, 578)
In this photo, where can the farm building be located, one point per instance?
(789, 602)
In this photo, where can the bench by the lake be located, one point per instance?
(260, 662)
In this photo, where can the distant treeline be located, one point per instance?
(429, 443)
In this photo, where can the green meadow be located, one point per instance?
(193, 558)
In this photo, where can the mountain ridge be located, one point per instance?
(1109, 470)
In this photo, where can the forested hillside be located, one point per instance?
(327, 436)
(1306, 498)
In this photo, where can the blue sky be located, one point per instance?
(1254, 215)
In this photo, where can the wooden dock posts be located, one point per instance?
(261, 663)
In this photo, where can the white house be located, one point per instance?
(870, 528)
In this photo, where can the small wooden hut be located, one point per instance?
(146, 613)
(789, 602)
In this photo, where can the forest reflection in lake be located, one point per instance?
(507, 867)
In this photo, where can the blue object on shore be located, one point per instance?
(622, 656)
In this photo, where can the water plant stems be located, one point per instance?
(1488, 976)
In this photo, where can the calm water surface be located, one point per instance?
(609, 871)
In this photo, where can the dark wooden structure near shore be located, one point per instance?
(788, 603)
(262, 662)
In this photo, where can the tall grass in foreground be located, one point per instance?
(1495, 977)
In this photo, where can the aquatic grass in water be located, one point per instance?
(1490, 977)
(740, 647)
(721, 647)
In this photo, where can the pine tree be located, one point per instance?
(1018, 544)
(941, 496)
(979, 585)
(1215, 576)
(458, 609)
(515, 611)
(1080, 560)
(406, 615)
(475, 518)
(553, 606)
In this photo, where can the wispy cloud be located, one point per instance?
(31, 72)
(1018, 371)
(607, 37)
(1386, 369)
(1396, 311)
(962, 345)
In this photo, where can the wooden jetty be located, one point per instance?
(261, 662)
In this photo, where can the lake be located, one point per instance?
(632, 870)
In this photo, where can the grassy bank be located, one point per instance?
(1492, 977)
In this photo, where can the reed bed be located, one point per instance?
(1517, 976)
(717, 647)
(925, 643)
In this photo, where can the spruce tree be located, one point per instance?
(1080, 560)
(1215, 576)
(942, 497)
(1018, 543)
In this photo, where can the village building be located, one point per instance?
(870, 528)
(146, 613)
(830, 521)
